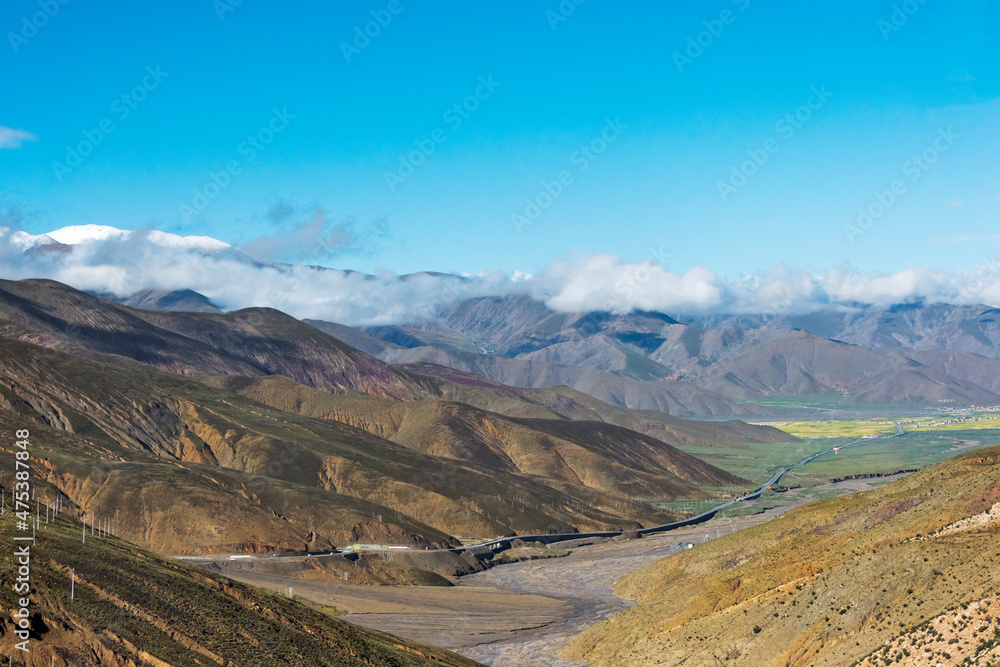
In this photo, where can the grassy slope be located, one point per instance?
(828, 583)
(131, 605)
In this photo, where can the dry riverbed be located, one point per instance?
(524, 613)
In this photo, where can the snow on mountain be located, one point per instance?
(84, 233)
(78, 234)
(24, 242)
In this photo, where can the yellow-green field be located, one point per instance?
(838, 428)
(854, 428)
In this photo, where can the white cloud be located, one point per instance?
(124, 264)
(11, 138)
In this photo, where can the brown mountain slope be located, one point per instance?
(597, 455)
(253, 342)
(982, 371)
(182, 506)
(256, 341)
(672, 397)
(250, 477)
(828, 583)
(535, 477)
(570, 403)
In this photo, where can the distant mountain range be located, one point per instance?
(923, 355)
(206, 432)
(469, 424)
(706, 366)
(710, 366)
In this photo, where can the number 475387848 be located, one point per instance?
(22, 487)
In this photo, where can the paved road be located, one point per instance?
(505, 542)
(704, 516)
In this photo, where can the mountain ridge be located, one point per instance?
(257, 417)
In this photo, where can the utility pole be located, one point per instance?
(72, 584)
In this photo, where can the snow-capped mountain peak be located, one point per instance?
(79, 234)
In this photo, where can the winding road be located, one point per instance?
(704, 516)
(506, 542)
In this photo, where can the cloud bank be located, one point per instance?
(99, 259)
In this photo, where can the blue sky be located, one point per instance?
(893, 81)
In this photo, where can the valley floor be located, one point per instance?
(524, 613)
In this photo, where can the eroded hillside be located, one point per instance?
(829, 583)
